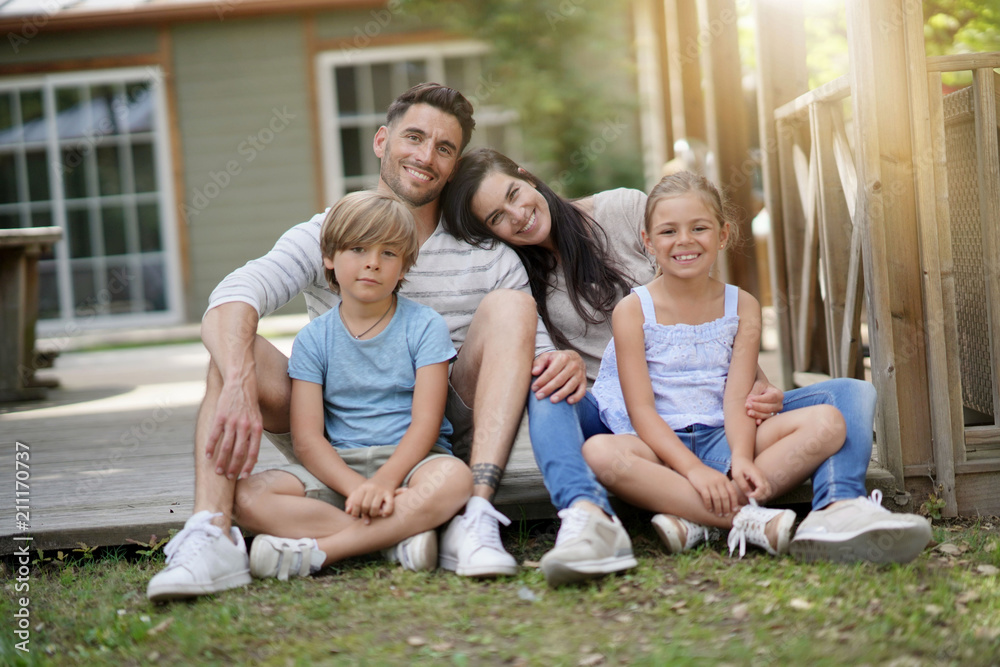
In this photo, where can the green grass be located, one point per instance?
(698, 608)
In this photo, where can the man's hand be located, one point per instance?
(765, 400)
(560, 374)
(234, 441)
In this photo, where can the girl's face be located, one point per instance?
(684, 236)
(513, 210)
(366, 274)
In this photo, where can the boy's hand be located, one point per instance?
(750, 479)
(371, 499)
(716, 492)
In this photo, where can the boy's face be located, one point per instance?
(418, 153)
(366, 274)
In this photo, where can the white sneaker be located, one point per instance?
(861, 530)
(201, 560)
(749, 525)
(471, 547)
(282, 557)
(418, 553)
(679, 534)
(587, 546)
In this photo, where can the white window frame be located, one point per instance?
(334, 181)
(68, 322)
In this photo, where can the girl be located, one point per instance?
(673, 386)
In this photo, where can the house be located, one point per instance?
(173, 140)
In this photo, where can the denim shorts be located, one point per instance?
(709, 444)
(363, 460)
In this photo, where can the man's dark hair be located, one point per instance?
(440, 97)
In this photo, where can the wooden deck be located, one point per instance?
(109, 453)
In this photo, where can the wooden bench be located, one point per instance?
(19, 253)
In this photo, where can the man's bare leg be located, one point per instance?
(493, 374)
(214, 491)
(209, 555)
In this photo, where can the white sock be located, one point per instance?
(316, 557)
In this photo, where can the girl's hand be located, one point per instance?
(716, 492)
(750, 479)
(370, 499)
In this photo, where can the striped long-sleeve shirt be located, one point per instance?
(450, 276)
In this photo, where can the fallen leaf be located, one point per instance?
(988, 570)
(933, 609)
(990, 548)
(591, 660)
(624, 618)
(160, 627)
(765, 583)
(740, 612)
(416, 641)
(949, 548)
(800, 604)
(442, 647)
(967, 597)
(987, 633)
(531, 563)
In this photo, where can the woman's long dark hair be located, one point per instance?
(593, 277)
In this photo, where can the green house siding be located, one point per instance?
(20, 48)
(246, 140)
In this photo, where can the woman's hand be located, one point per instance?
(765, 400)
(560, 374)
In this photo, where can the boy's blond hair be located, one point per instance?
(367, 218)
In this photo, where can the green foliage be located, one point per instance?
(150, 548)
(566, 67)
(961, 26)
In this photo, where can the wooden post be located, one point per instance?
(887, 211)
(781, 77)
(726, 123)
(654, 87)
(685, 70)
(944, 433)
(659, 16)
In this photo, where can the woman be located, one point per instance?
(581, 258)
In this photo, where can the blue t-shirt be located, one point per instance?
(368, 384)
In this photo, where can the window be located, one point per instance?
(356, 88)
(87, 152)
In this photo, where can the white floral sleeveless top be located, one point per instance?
(688, 366)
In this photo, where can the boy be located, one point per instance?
(369, 385)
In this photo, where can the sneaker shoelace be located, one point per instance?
(574, 520)
(875, 502)
(188, 543)
(484, 529)
(749, 524)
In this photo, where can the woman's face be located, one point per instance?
(513, 210)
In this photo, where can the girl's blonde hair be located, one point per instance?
(686, 182)
(369, 218)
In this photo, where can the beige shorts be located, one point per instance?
(363, 460)
(457, 412)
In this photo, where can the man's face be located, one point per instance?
(418, 153)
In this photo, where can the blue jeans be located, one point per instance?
(558, 431)
(842, 476)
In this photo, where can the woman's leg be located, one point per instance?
(557, 437)
(842, 476)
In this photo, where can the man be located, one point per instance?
(483, 295)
